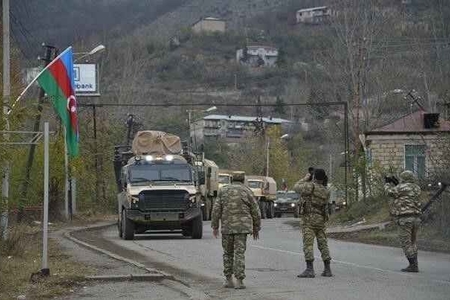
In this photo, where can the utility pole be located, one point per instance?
(50, 52)
(267, 156)
(6, 96)
(96, 159)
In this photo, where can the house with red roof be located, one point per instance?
(418, 142)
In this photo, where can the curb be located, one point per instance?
(68, 235)
(153, 275)
(130, 277)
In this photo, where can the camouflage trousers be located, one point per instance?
(234, 246)
(407, 234)
(314, 229)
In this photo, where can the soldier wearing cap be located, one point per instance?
(406, 210)
(314, 215)
(239, 215)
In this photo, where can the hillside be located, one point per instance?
(316, 63)
(68, 22)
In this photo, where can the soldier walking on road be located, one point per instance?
(239, 214)
(406, 210)
(314, 215)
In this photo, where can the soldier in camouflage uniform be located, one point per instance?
(406, 211)
(239, 213)
(314, 215)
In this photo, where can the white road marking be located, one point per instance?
(349, 264)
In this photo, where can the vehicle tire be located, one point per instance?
(197, 228)
(277, 215)
(262, 208)
(119, 228)
(204, 214)
(270, 210)
(296, 212)
(211, 208)
(127, 227)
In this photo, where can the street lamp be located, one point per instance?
(97, 49)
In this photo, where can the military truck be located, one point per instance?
(158, 186)
(225, 177)
(265, 190)
(210, 188)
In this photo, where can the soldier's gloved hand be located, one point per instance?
(255, 234)
(216, 233)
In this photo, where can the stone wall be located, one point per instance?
(389, 150)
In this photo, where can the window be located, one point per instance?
(415, 159)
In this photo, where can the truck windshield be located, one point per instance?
(224, 179)
(164, 172)
(255, 184)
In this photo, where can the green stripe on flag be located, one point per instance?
(59, 101)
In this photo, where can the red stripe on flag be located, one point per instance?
(59, 72)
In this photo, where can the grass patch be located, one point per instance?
(373, 210)
(20, 256)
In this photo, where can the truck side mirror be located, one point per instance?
(201, 177)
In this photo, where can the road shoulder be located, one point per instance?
(116, 277)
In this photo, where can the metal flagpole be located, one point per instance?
(66, 172)
(45, 270)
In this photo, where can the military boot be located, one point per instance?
(413, 265)
(228, 283)
(309, 272)
(239, 285)
(327, 270)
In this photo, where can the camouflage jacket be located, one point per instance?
(237, 209)
(406, 198)
(314, 197)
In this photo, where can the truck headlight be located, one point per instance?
(275, 205)
(192, 199)
(292, 204)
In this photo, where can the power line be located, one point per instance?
(208, 104)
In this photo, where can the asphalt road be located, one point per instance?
(361, 271)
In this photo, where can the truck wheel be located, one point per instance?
(211, 208)
(127, 227)
(262, 208)
(197, 228)
(204, 213)
(270, 210)
(119, 228)
(296, 212)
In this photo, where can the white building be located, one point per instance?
(257, 55)
(209, 24)
(314, 15)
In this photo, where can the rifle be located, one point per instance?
(427, 205)
(391, 179)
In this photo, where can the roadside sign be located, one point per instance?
(86, 80)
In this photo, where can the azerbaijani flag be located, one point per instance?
(57, 80)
